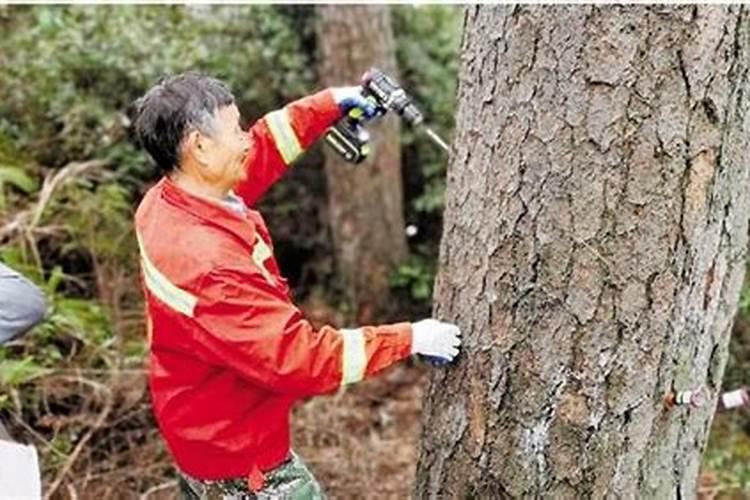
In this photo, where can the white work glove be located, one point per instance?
(436, 340)
(349, 98)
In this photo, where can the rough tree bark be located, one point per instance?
(365, 202)
(593, 249)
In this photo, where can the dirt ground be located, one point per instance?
(363, 443)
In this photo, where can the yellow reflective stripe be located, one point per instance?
(283, 135)
(261, 253)
(176, 298)
(354, 359)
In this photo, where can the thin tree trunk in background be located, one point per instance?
(365, 201)
(593, 250)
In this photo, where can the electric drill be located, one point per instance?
(350, 139)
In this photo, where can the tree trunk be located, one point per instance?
(365, 201)
(593, 250)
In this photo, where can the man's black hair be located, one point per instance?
(173, 107)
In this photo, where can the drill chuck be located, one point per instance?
(390, 96)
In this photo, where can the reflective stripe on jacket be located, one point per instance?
(230, 353)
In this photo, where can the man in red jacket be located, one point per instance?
(230, 353)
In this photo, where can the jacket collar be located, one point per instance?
(209, 211)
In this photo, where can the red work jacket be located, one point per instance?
(230, 353)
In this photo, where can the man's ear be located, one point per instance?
(195, 147)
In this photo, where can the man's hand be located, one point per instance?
(436, 339)
(349, 98)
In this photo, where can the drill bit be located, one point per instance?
(436, 139)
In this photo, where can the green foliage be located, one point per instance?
(738, 362)
(728, 456)
(70, 73)
(428, 42)
(15, 176)
(98, 221)
(416, 276)
(15, 372)
(14, 172)
(433, 196)
(80, 319)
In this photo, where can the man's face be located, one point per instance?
(222, 154)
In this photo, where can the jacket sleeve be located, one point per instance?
(22, 304)
(252, 327)
(280, 137)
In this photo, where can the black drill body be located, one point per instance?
(349, 138)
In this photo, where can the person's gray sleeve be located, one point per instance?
(22, 304)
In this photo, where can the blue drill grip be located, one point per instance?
(435, 360)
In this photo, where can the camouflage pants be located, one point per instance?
(291, 480)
